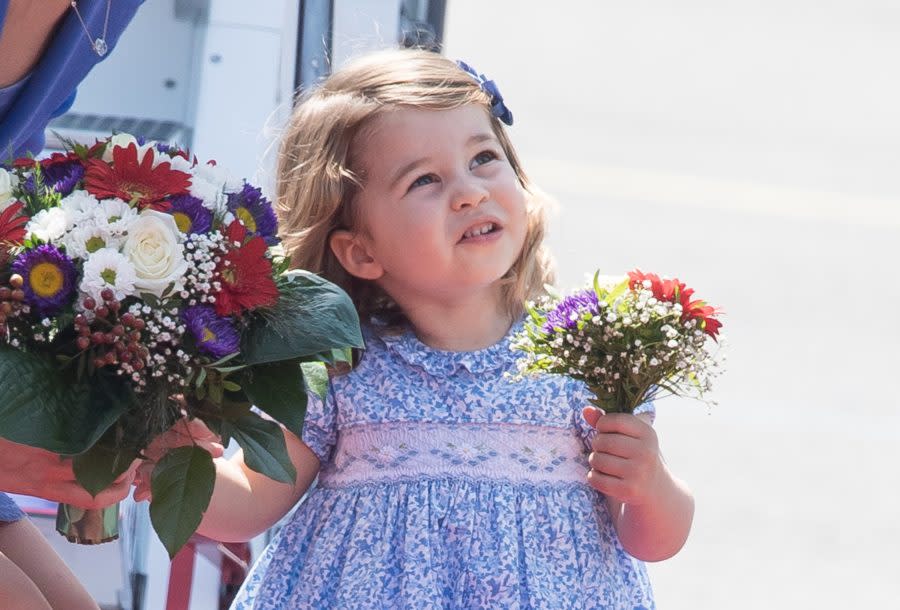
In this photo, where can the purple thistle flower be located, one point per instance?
(215, 336)
(255, 212)
(49, 279)
(190, 215)
(63, 177)
(568, 311)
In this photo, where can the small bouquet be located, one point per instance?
(628, 341)
(132, 275)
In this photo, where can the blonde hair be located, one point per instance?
(317, 180)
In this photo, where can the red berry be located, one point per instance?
(128, 318)
(80, 320)
(84, 331)
(18, 295)
(102, 311)
(5, 293)
(83, 343)
(139, 324)
(110, 357)
(135, 335)
(114, 306)
(99, 363)
(89, 303)
(107, 294)
(118, 330)
(138, 365)
(98, 338)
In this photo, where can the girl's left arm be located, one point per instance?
(651, 509)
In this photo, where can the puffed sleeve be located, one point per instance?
(580, 397)
(320, 425)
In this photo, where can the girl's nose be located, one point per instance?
(468, 192)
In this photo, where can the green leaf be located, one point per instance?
(265, 450)
(42, 407)
(316, 376)
(99, 466)
(277, 388)
(312, 315)
(617, 291)
(182, 485)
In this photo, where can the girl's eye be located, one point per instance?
(484, 156)
(422, 181)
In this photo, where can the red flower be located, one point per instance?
(58, 157)
(246, 274)
(138, 183)
(673, 291)
(12, 228)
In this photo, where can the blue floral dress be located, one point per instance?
(446, 484)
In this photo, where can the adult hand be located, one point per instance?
(184, 432)
(625, 462)
(35, 472)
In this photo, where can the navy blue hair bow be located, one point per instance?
(498, 108)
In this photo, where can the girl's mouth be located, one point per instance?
(480, 230)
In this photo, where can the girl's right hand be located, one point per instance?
(184, 432)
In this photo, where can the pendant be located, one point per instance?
(100, 47)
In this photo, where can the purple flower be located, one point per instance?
(568, 311)
(61, 177)
(190, 215)
(215, 336)
(255, 212)
(49, 279)
(64, 177)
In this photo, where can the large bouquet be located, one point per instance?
(628, 340)
(130, 276)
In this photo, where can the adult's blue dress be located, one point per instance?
(49, 90)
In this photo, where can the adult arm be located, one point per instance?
(35, 472)
(244, 502)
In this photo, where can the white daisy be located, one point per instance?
(80, 206)
(115, 215)
(86, 239)
(177, 163)
(48, 224)
(108, 268)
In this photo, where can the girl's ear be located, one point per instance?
(354, 255)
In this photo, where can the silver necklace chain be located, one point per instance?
(97, 44)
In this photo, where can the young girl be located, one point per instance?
(442, 482)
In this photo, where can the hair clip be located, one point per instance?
(498, 108)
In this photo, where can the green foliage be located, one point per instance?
(42, 407)
(312, 316)
(277, 388)
(182, 484)
(265, 450)
(99, 466)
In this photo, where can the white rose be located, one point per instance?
(154, 248)
(8, 181)
(124, 140)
